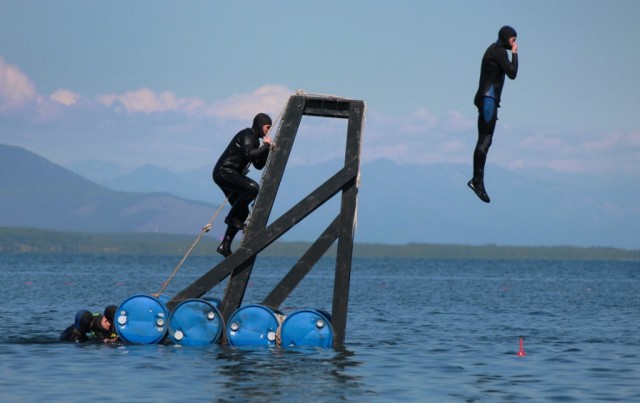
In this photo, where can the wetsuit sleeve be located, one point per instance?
(261, 158)
(72, 334)
(256, 155)
(510, 67)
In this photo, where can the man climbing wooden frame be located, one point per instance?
(259, 236)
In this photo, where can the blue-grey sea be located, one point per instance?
(418, 330)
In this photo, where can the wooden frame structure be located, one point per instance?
(259, 236)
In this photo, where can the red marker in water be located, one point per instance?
(521, 353)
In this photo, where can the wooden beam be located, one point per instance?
(303, 266)
(347, 227)
(254, 245)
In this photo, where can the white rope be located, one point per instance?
(204, 230)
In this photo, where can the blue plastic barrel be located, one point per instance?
(142, 319)
(307, 327)
(253, 325)
(195, 322)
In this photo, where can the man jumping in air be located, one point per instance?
(495, 65)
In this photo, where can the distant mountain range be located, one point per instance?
(398, 204)
(38, 193)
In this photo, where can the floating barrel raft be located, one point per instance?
(143, 319)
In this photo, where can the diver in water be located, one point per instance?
(77, 332)
(102, 325)
(230, 172)
(495, 65)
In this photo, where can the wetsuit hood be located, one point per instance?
(110, 312)
(96, 325)
(504, 34)
(83, 320)
(259, 121)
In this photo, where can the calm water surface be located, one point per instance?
(418, 330)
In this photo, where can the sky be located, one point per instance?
(169, 82)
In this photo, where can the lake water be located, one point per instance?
(418, 330)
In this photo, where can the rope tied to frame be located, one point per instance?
(204, 230)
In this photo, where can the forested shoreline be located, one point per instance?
(32, 240)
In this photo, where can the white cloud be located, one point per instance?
(65, 97)
(568, 151)
(420, 138)
(270, 99)
(16, 90)
(612, 141)
(147, 101)
(418, 122)
(456, 121)
(144, 100)
(106, 99)
(543, 142)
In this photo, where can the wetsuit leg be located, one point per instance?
(487, 117)
(225, 247)
(241, 191)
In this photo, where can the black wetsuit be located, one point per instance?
(73, 334)
(78, 331)
(229, 172)
(495, 65)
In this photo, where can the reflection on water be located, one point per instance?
(264, 373)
